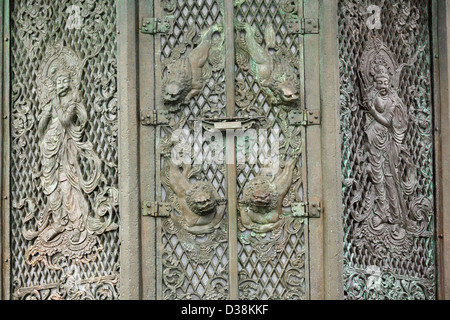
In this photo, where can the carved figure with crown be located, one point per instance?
(389, 220)
(70, 168)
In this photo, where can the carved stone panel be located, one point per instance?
(387, 149)
(64, 183)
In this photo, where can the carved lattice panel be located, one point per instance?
(195, 177)
(389, 215)
(194, 260)
(272, 262)
(64, 216)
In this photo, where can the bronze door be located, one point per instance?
(188, 149)
(229, 123)
(60, 180)
(387, 70)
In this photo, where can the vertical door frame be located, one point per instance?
(324, 152)
(312, 147)
(441, 40)
(147, 142)
(5, 150)
(129, 198)
(332, 227)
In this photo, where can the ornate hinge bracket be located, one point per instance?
(157, 25)
(307, 209)
(156, 209)
(303, 25)
(304, 117)
(155, 118)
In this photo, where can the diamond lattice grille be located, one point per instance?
(270, 266)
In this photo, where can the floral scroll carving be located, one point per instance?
(33, 25)
(377, 283)
(71, 287)
(68, 227)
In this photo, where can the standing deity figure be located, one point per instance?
(391, 215)
(385, 132)
(70, 168)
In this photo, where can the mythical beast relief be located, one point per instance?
(274, 68)
(185, 75)
(199, 204)
(261, 206)
(70, 169)
(197, 218)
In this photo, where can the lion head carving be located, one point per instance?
(177, 81)
(285, 85)
(261, 195)
(201, 199)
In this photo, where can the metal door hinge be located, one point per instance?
(304, 117)
(303, 25)
(157, 25)
(155, 118)
(307, 209)
(156, 209)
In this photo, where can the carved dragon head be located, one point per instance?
(284, 84)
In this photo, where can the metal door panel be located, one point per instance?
(272, 264)
(64, 217)
(240, 258)
(191, 264)
(388, 175)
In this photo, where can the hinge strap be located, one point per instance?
(304, 117)
(307, 209)
(303, 25)
(157, 25)
(155, 118)
(156, 209)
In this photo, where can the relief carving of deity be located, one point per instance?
(392, 216)
(70, 168)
